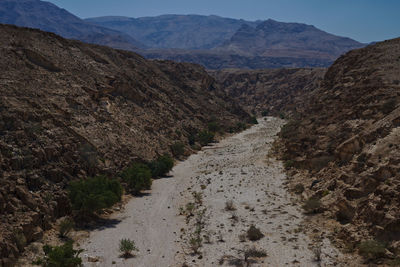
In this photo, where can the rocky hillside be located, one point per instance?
(48, 17)
(345, 144)
(269, 91)
(70, 110)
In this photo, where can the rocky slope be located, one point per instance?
(345, 142)
(69, 110)
(48, 17)
(269, 91)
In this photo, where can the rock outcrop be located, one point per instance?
(69, 110)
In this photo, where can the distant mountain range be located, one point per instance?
(48, 17)
(212, 41)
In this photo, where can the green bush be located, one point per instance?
(66, 227)
(205, 137)
(192, 139)
(178, 148)
(138, 177)
(264, 113)
(240, 126)
(371, 250)
(126, 246)
(161, 166)
(93, 194)
(254, 234)
(60, 256)
(213, 127)
(253, 120)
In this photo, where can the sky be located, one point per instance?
(363, 20)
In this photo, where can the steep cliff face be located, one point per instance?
(69, 110)
(346, 139)
(269, 91)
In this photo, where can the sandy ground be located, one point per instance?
(237, 169)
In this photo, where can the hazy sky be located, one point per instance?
(363, 20)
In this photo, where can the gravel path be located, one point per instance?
(238, 170)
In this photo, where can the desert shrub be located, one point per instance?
(213, 127)
(20, 239)
(192, 139)
(254, 234)
(312, 205)
(298, 189)
(60, 256)
(161, 166)
(253, 120)
(126, 247)
(205, 137)
(240, 126)
(229, 206)
(177, 148)
(93, 194)
(388, 106)
(66, 227)
(371, 250)
(138, 177)
(195, 243)
(264, 113)
(254, 253)
(288, 164)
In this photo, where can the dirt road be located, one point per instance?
(235, 172)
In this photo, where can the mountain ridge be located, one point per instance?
(49, 17)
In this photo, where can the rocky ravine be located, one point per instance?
(70, 110)
(269, 90)
(237, 169)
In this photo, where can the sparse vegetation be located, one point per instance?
(298, 189)
(161, 166)
(288, 164)
(253, 120)
(126, 247)
(205, 137)
(229, 206)
(253, 253)
(60, 256)
(371, 250)
(66, 227)
(94, 194)
(177, 149)
(254, 234)
(213, 127)
(264, 113)
(195, 243)
(137, 177)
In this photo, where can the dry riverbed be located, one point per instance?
(208, 205)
